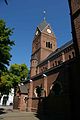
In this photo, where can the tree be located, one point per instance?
(20, 70)
(5, 45)
(5, 83)
(18, 73)
(10, 79)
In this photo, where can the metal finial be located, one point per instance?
(44, 12)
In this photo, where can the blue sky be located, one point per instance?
(25, 15)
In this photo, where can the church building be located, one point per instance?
(47, 61)
(49, 69)
(49, 88)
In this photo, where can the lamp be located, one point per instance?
(30, 80)
(44, 75)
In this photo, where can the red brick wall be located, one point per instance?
(51, 79)
(69, 53)
(37, 83)
(77, 27)
(75, 6)
(22, 103)
(35, 102)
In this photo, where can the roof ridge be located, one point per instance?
(42, 25)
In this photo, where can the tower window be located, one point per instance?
(48, 44)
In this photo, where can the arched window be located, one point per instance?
(59, 62)
(38, 91)
(51, 45)
(55, 62)
(57, 88)
(73, 54)
(48, 44)
(69, 57)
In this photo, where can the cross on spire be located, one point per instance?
(44, 13)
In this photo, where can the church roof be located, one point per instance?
(60, 49)
(42, 25)
(23, 89)
(34, 57)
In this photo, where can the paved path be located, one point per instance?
(15, 115)
(7, 113)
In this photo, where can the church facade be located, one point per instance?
(49, 88)
(47, 62)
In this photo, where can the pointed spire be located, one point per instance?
(42, 25)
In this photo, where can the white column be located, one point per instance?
(63, 57)
(45, 85)
(30, 96)
(48, 64)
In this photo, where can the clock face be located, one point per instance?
(48, 30)
(36, 32)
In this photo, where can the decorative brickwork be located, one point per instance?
(53, 70)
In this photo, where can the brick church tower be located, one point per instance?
(44, 43)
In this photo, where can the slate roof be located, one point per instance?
(42, 25)
(66, 44)
(34, 57)
(61, 48)
(23, 89)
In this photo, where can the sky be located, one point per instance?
(25, 15)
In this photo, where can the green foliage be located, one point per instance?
(12, 77)
(5, 45)
(5, 83)
(9, 78)
(19, 70)
(18, 73)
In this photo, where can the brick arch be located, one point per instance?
(56, 88)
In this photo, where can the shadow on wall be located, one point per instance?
(63, 100)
